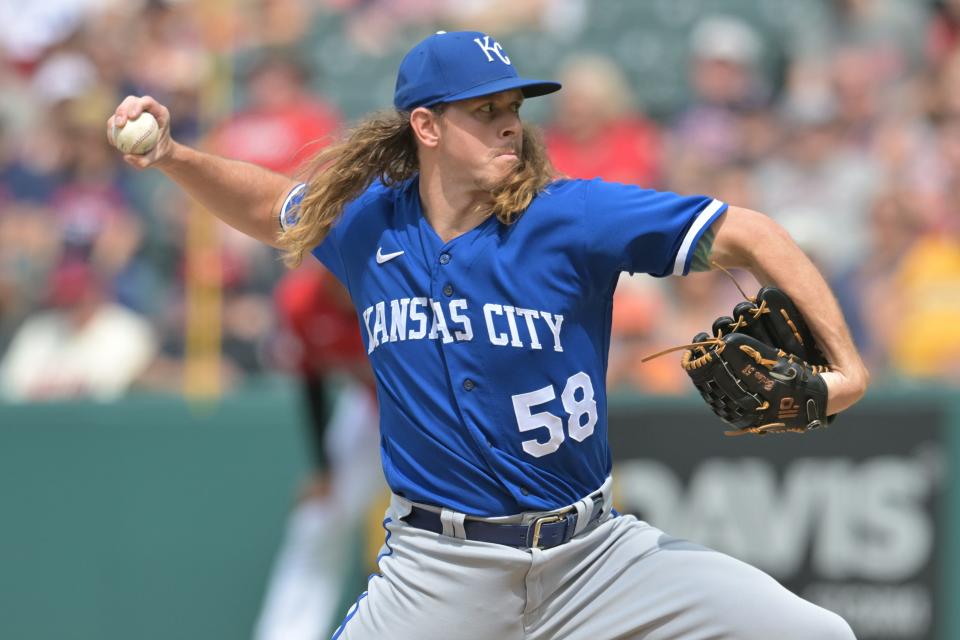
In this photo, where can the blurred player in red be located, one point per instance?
(321, 343)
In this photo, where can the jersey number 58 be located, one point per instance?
(581, 414)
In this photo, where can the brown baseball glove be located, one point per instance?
(760, 369)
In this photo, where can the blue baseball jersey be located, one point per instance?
(490, 350)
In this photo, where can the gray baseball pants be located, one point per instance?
(620, 579)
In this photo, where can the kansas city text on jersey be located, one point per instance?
(423, 318)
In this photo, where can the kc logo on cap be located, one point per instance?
(496, 49)
(447, 67)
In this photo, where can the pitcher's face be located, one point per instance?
(482, 138)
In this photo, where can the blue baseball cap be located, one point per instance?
(458, 65)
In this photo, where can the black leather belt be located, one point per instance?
(544, 532)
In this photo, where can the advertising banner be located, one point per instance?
(848, 517)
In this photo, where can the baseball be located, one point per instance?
(137, 136)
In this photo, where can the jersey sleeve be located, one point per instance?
(326, 252)
(289, 212)
(628, 228)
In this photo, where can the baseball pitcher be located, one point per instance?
(483, 284)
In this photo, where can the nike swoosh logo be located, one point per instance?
(386, 257)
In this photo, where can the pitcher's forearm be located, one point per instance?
(790, 270)
(751, 240)
(245, 196)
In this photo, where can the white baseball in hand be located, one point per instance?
(137, 136)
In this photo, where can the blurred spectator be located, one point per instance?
(728, 83)
(170, 55)
(818, 187)
(857, 83)
(84, 346)
(28, 29)
(923, 341)
(283, 123)
(563, 18)
(945, 91)
(943, 31)
(948, 138)
(922, 293)
(857, 154)
(373, 26)
(278, 23)
(891, 29)
(596, 132)
(246, 321)
(868, 296)
(29, 240)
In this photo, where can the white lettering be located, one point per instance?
(455, 307)
(380, 323)
(853, 520)
(372, 339)
(404, 319)
(554, 328)
(398, 319)
(439, 323)
(529, 315)
(893, 535)
(418, 316)
(499, 339)
(512, 321)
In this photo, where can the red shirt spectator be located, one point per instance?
(625, 150)
(594, 132)
(284, 125)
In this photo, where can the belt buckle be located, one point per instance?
(538, 524)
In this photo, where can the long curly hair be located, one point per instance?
(383, 147)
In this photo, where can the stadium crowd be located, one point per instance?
(842, 123)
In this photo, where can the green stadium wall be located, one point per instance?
(152, 518)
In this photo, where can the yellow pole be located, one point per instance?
(202, 380)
